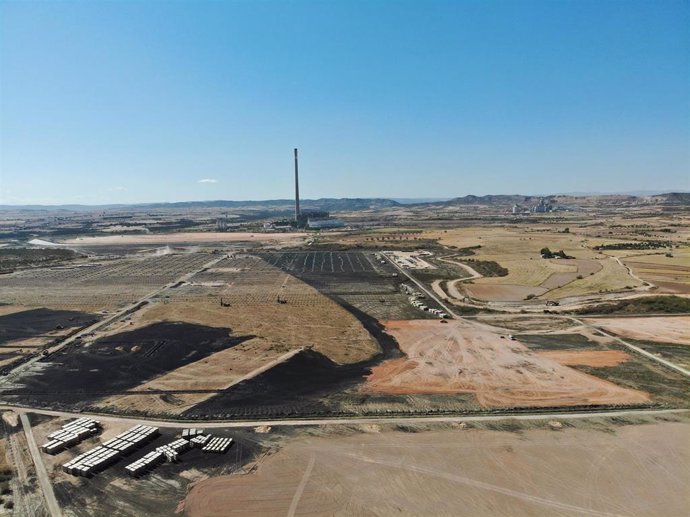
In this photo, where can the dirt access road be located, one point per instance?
(174, 424)
(41, 472)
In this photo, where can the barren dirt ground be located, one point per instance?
(640, 470)
(670, 329)
(470, 357)
(595, 358)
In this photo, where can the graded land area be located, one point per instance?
(468, 469)
(412, 315)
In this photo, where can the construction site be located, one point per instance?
(203, 368)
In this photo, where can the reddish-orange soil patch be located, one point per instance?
(469, 357)
(595, 358)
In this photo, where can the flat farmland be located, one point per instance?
(664, 329)
(529, 275)
(671, 274)
(462, 471)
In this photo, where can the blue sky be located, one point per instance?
(109, 102)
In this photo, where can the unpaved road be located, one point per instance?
(346, 420)
(41, 472)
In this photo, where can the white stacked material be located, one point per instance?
(173, 449)
(218, 444)
(149, 461)
(200, 440)
(110, 451)
(191, 433)
(70, 434)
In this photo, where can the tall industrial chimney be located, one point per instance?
(296, 190)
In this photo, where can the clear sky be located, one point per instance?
(110, 102)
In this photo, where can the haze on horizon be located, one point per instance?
(129, 102)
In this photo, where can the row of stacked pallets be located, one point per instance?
(111, 451)
(70, 434)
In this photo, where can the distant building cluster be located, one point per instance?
(542, 207)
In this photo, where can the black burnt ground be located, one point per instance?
(37, 322)
(118, 363)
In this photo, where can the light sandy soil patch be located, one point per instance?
(502, 293)
(664, 329)
(182, 237)
(530, 323)
(11, 309)
(567, 472)
(528, 272)
(216, 372)
(595, 358)
(468, 357)
(582, 268)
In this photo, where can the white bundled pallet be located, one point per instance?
(200, 440)
(220, 445)
(110, 451)
(149, 461)
(70, 434)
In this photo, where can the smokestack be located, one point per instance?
(296, 189)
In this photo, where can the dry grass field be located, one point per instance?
(518, 250)
(637, 470)
(671, 329)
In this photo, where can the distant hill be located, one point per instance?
(356, 204)
(328, 204)
(674, 198)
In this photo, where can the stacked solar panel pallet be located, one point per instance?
(217, 444)
(109, 452)
(70, 434)
(169, 452)
(149, 461)
(173, 449)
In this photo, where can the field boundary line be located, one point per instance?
(635, 348)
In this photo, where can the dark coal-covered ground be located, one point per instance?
(37, 322)
(117, 363)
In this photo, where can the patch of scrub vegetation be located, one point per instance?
(639, 245)
(647, 305)
(665, 386)
(559, 342)
(464, 252)
(12, 259)
(676, 353)
(487, 267)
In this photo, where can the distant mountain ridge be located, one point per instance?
(356, 204)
